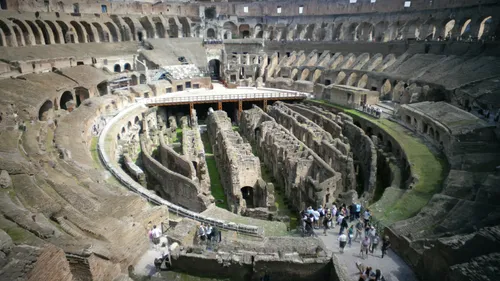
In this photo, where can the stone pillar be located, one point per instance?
(219, 105)
(191, 107)
(240, 109)
(264, 105)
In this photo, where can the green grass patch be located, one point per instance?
(215, 185)
(236, 128)
(426, 166)
(94, 152)
(18, 235)
(177, 137)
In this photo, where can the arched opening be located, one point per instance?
(137, 121)
(123, 131)
(88, 29)
(139, 36)
(79, 31)
(211, 33)
(214, 69)
(305, 74)
(43, 113)
(247, 193)
(45, 32)
(337, 31)
(363, 81)
(160, 29)
(142, 79)
(465, 30)
(129, 125)
(131, 25)
(380, 138)
(365, 32)
(350, 34)
(448, 29)
(244, 31)
(24, 29)
(133, 80)
(127, 67)
(230, 29)
(316, 76)
(257, 133)
(65, 98)
(57, 35)
(431, 132)
(117, 68)
(36, 33)
(369, 131)
(352, 79)
(381, 34)
(258, 31)
(388, 144)
(103, 36)
(102, 88)
(173, 31)
(113, 31)
(195, 165)
(186, 29)
(309, 32)
(486, 28)
(340, 77)
(358, 125)
(81, 95)
(386, 89)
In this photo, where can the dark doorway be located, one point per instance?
(214, 69)
(247, 193)
(66, 97)
(139, 36)
(3, 4)
(118, 68)
(44, 111)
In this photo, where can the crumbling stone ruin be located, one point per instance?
(242, 180)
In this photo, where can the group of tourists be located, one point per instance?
(206, 232)
(372, 110)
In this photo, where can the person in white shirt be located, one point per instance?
(342, 241)
(155, 234)
(202, 232)
(209, 232)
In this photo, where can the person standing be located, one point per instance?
(359, 230)
(327, 221)
(364, 247)
(155, 234)
(342, 241)
(375, 241)
(343, 225)
(350, 235)
(386, 244)
(371, 234)
(202, 233)
(358, 210)
(367, 216)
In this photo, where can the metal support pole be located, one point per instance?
(264, 106)
(191, 107)
(219, 105)
(240, 109)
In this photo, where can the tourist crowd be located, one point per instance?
(372, 110)
(354, 223)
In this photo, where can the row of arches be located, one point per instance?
(483, 27)
(19, 32)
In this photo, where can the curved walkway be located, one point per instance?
(392, 266)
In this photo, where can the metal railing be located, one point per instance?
(150, 196)
(223, 97)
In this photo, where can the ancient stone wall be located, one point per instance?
(306, 178)
(174, 161)
(240, 169)
(333, 151)
(172, 186)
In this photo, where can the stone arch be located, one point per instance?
(381, 34)
(102, 88)
(316, 75)
(65, 32)
(214, 69)
(46, 32)
(45, 110)
(369, 131)
(113, 31)
(388, 145)
(36, 32)
(321, 32)
(186, 29)
(337, 31)
(131, 25)
(81, 94)
(351, 81)
(129, 125)
(211, 33)
(58, 35)
(294, 74)
(79, 32)
(363, 81)
(117, 68)
(123, 130)
(137, 121)
(431, 132)
(148, 27)
(29, 38)
(160, 29)
(66, 97)
(386, 88)
(448, 28)
(90, 33)
(486, 28)
(309, 32)
(142, 79)
(173, 30)
(244, 31)
(412, 29)
(19, 39)
(230, 29)
(340, 77)
(365, 32)
(380, 138)
(465, 29)
(103, 36)
(247, 195)
(258, 31)
(398, 90)
(350, 32)
(133, 80)
(127, 67)
(305, 74)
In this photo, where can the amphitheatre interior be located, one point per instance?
(118, 115)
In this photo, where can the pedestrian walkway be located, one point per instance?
(392, 266)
